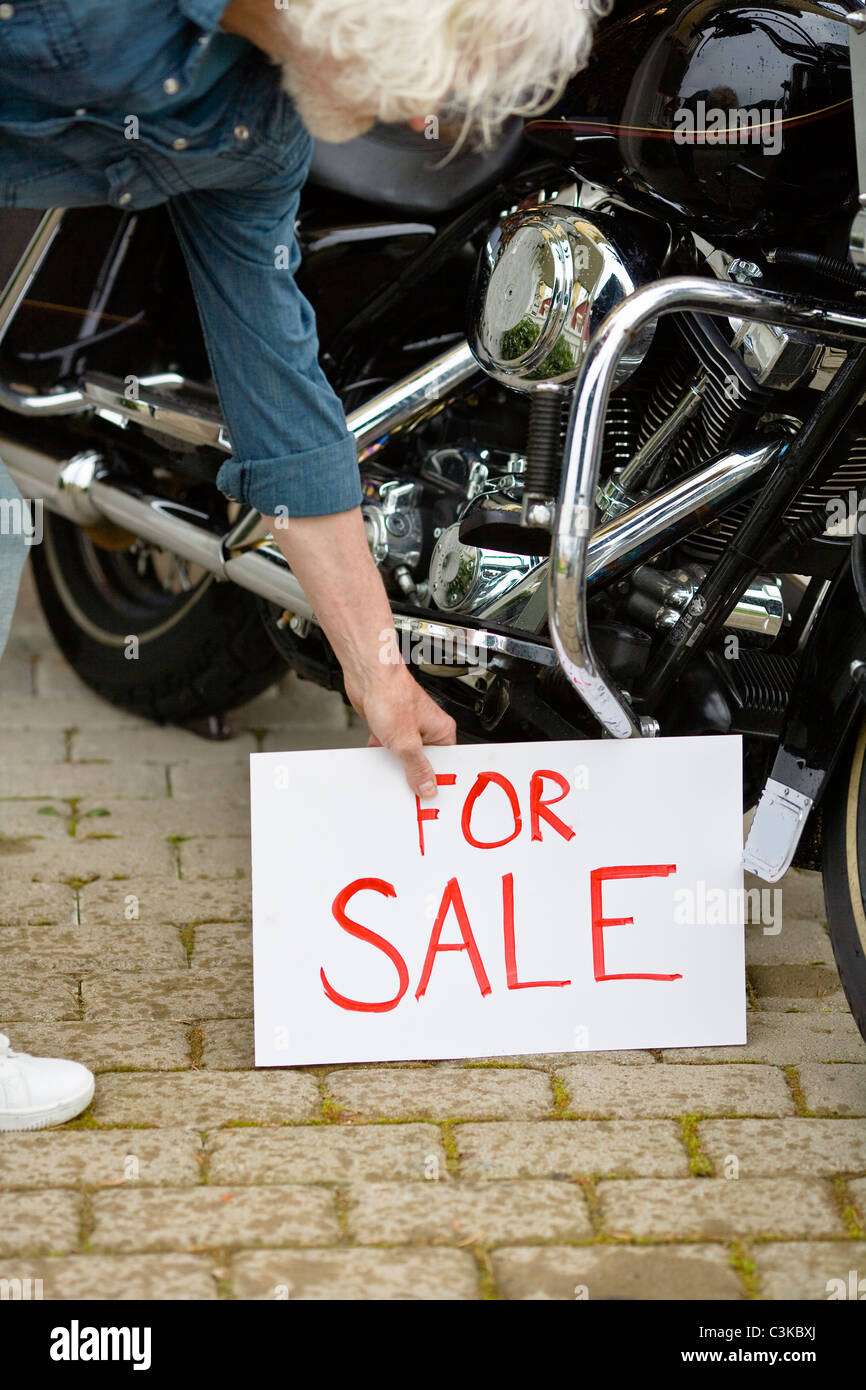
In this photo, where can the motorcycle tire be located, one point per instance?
(844, 870)
(171, 657)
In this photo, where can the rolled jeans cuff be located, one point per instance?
(318, 482)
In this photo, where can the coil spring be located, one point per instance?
(547, 425)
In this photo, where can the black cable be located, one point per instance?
(829, 267)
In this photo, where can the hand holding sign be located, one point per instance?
(491, 923)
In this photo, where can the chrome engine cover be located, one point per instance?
(466, 578)
(546, 279)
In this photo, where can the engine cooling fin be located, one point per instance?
(759, 686)
(848, 477)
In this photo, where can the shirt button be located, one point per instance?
(81, 110)
(179, 144)
(241, 132)
(171, 85)
(7, 11)
(124, 198)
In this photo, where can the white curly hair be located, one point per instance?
(349, 63)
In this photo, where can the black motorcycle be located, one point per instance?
(606, 387)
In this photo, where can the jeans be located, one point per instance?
(13, 551)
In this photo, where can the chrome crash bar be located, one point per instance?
(570, 552)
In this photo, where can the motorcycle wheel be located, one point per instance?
(845, 875)
(146, 630)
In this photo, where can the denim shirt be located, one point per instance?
(133, 103)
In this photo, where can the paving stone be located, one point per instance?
(798, 943)
(327, 1153)
(30, 746)
(133, 947)
(208, 816)
(55, 677)
(555, 1060)
(218, 944)
(293, 703)
(21, 820)
(834, 1090)
(802, 896)
(857, 1189)
(383, 1275)
(86, 780)
(442, 1093)
(201, 1218)
(621, 1092)
(290, 739)
(22, 903)
(47, 861)
(671, 1272)
(794, 981)
(203, 1100)
(215, 858)
(832, 1003)
(105, 1047)
(460, 1213)
(118, 1278)
(121, 1158)
(166, 899)
(800, 1146)
(784, 1039)
(803, 1271)
(56, 712)
(36, 996)
(16, 675)
(151, 744)
(174, 994)
(556, 1148)
(209, 781)
(39, 1223)
(716, 1209)
(227, 1044)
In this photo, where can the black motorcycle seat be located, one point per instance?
(398, 167)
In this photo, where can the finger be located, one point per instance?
(374, 742)
(419, 773)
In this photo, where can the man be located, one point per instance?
(187, 102)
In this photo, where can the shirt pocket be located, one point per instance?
(41, 36)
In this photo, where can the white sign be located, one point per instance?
(555, 897)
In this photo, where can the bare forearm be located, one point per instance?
(330, 558)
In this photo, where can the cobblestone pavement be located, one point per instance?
(194, 1176)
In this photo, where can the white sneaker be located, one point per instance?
(39, 1091)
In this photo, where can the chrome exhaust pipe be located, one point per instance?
(76, 491)
(79, 490)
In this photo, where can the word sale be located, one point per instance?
(452, 900)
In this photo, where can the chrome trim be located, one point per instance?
(14, 291)
(419, 394)
(547, 277)
(474, 643)
(261, 569)
(569, 624)
(775, 831)
(153, 409)
(373, 424)
(651, 526)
